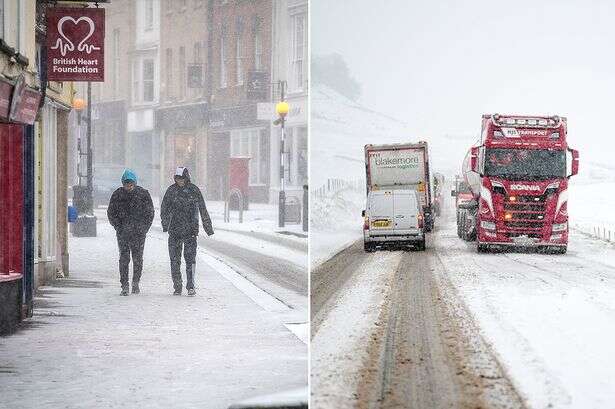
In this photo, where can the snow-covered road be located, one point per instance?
(88, 347)
(545, 324)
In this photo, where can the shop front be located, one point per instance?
(183, 138)
(18, 109)
(237, 133)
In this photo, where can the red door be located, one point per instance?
(11, 198)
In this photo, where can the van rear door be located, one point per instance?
(405, 209)
(380, 212)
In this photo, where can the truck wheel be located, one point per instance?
(558, 250)
(369, 247)
(482, 248)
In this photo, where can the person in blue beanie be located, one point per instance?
(131, 213)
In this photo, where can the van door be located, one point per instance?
(380, 212)
(405, 210)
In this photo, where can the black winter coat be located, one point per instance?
(179, 211)
(131, 213)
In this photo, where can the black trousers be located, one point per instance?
(175, 254)
(131, 245)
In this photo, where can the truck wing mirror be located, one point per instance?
(574, 169)
(474, 159)
(363, 213)
(453, 193)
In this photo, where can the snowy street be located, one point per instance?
(243, 335)
(454, 327)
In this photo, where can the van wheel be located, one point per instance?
(421, 245)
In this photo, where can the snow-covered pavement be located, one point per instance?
(86, 346)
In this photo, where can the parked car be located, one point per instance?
(107, 178)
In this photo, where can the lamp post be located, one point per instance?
(281, 108)
(85, 225)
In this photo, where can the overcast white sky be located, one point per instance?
(440, 65)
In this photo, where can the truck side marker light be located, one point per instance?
(508, 216)
(512, 198)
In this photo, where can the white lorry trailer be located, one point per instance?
(399, 206)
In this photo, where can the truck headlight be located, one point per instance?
(559, 227)
(487, 225)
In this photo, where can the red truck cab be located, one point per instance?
(523, 164)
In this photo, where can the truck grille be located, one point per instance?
(528, 214)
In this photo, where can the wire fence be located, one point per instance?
(604, 233)
(335, 185)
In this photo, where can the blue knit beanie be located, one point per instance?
(129, 175)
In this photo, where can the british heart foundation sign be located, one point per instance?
(75, 44)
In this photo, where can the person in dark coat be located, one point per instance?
(179, 212)
(131, 213)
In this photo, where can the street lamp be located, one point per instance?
(281, 108)
(85, 225)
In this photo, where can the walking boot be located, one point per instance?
(177, 292)
(124, 290)
(135, 288)
(191, 292)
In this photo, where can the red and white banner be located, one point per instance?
(75, 44)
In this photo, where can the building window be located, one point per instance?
(182, 72)
(148, 80)
(135, 82)
(116, 63)
(198, 62)
(149, 14)
(222, 64)
(298, 52)
(258, 51)
(239, 60)
(182, 5)
(168, 6)
(299, 164)
(250, 143)
(2, 19)
(169, 73)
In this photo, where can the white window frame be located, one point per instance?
(148, 15)
(223, 78)
(152, 80)
(258, 51)
(116, 63)
(170, 94)
(298, 59)
(136, 81)
(182, 73)
(239, 60)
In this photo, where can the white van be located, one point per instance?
(393, 217)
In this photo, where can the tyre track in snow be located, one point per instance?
(423, 350)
